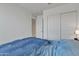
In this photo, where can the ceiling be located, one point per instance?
(37, 8)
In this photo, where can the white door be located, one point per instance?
(39, 27)
(68, 24)
(53, 27)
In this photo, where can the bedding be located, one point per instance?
(67, 48)
(26, 46)
(60, 48)
(39, 47)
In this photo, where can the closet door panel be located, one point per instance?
(39, 28)
(68, 24)
(53, 27)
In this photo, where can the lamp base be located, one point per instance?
(76, 39)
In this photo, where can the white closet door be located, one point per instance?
(68, 23)
(39, 27)
(53, 27)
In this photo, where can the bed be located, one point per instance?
(32, 46)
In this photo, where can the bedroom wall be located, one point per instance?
(15, 23)
(58, 11)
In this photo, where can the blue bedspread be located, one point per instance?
(39, 47)
(60, 48)
(26, 46)
(67, 48)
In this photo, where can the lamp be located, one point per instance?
(77, 33)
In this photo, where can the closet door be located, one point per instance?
(53, 27)
(68, 24)
(39, 27)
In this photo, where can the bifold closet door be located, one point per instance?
(39, 27)
(68, 24)
(53, 27)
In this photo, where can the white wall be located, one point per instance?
(68, 25)
(15, 23)
(59, 10)
(53, 31)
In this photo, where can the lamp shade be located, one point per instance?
(76, 31)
